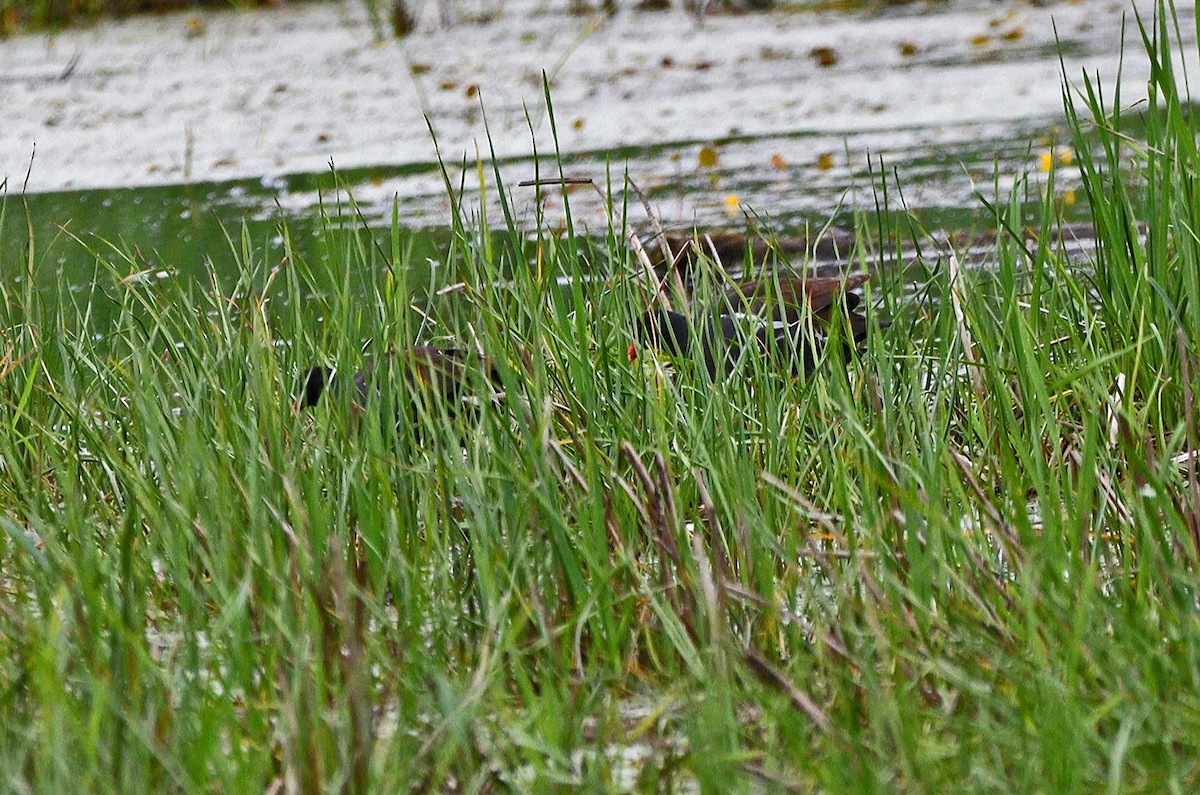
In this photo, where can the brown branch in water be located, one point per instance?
(537, 183)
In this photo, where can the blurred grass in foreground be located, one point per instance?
(967, 563)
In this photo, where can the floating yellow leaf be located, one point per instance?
(577, 125)
(1014, 34)
(708, 157)
(194, 27)
(1045, 160)
(1066, 156)
(733, 205)
(1069, 197)
(980, 40)
(907, 49)
(778, 161)
(824, 161)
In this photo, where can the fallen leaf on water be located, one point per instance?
(824, 56)
(778, 161)
(194, 27)
(708, 157)
(824, 161)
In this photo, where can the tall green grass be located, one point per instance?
(963, 562)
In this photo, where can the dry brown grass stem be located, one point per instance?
(964, 334)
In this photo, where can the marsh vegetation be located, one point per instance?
(965, 560)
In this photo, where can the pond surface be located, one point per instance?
(157, 134)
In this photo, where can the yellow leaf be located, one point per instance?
(733, 205)
(824, 161)
(1045, 160)
(708, 157)
(778, 161)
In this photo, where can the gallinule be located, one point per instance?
(786, 318)
(684, 248)
(444, 373)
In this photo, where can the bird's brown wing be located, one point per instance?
(449, 371)
(441, 370)
(789, 299)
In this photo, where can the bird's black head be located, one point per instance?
(663, 330)
(312, 384)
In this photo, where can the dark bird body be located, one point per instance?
(443, 374)
(786, 319)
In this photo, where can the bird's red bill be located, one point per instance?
(632, 352)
